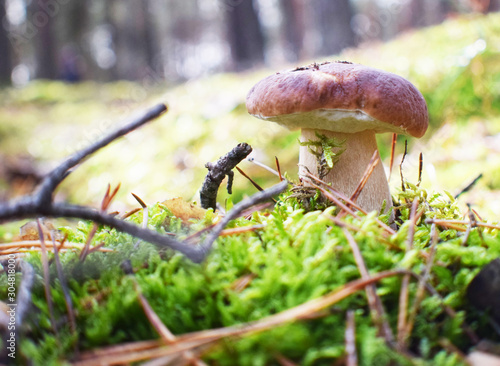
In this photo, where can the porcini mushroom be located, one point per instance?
(346, 102)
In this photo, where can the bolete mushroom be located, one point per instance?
(346, 102)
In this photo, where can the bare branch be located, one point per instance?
(54, 178)
(41, 204)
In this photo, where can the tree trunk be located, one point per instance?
(294, 28)
(5, 61)
(333, 26)
(244, 35)
(148, 35)
(43, 18)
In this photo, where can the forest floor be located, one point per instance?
(459, 75)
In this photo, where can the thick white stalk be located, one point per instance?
(348, 171)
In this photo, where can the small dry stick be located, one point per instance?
(41, 203)
(283, 361)
(454, 224)
(254, 183)
(64, 286)
(347, 200)
(350, 339)
(166, 335)
(278, 167)
(469, 186)
(368, 172)
(376, 307)
(24, 290)
(421, 286)
(237, 210)
(332, 198)
(405, 283)
(420, 168)
(258, 163)
(145, 215)
(46, 277)
(401, 166)
(393, 149)
(218, 171)
(106, 201)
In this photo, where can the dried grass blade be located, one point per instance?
(405, 283)
(64, 286)
(254, 183)
(376, 308)
(166, 335)
(350, 339)
(366, 175)
(46, 277)
(347, 200)
(421, 285)
(278, 167)
(393, 149)
(403, 188)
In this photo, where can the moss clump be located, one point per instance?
(292, 257)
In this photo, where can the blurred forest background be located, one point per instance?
(71, 70)
(177, 40)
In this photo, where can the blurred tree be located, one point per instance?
(146, 27)
(422, 13)
(244, 34)
(72, 31)
(5, 54)
(294, 28)
(42, 15)
(333, 26)
(133, 39)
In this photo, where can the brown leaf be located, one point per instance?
(29, 231)
(184, 210)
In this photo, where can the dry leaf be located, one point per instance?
(184, 210)
(29, 231)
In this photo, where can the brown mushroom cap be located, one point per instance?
(340, 97)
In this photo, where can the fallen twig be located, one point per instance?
(24, 290)
(14, 247)
(376, 307)
(454, 224)
(237, 210)
(333, 197)
(254, 183)
(46, 278)
(421, 287)
(401, 166)
(65, 290)
(258, 163)
(350, 339)
(218, 171)
(393, 148)
(41, 202)
(368, 172)
(405, 283)
(166, 335)
(469, 186)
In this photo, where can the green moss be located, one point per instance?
(294, 258)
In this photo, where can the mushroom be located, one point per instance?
(346, 102)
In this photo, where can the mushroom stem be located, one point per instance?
(348, 171)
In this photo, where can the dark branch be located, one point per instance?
(41, 204)
(218, 171)
(239, 208)
(55, 177)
